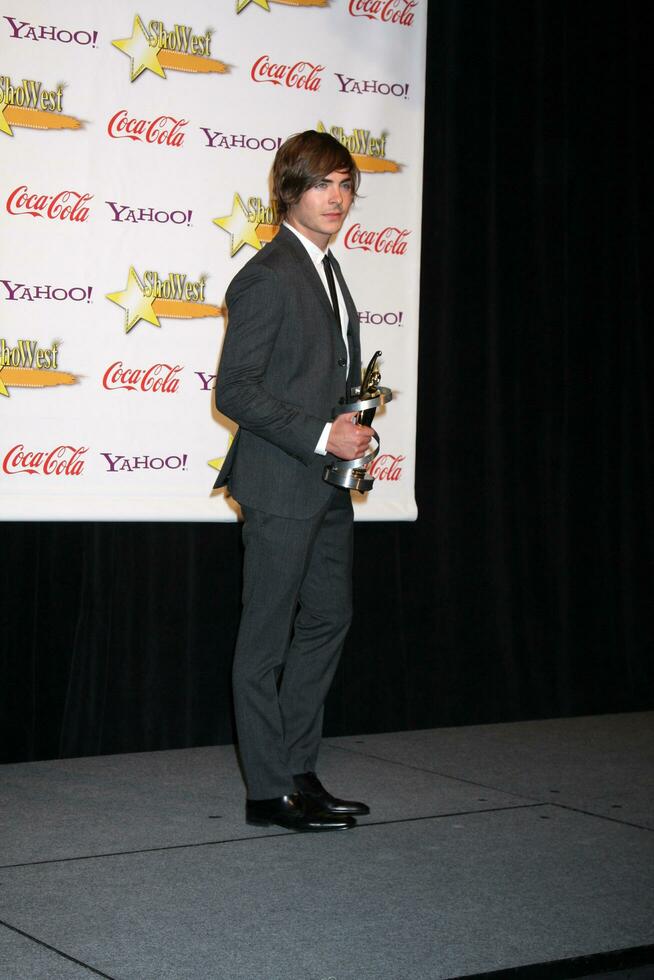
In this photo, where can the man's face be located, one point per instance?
(322, 209)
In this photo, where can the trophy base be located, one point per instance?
(348, 479)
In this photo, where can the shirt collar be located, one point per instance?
(315, 254)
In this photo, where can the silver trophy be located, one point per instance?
(352, 474)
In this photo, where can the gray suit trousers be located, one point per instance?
(297, 608)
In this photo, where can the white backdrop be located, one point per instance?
(136, 151)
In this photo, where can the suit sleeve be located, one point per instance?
(255, 301)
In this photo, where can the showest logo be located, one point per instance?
(156, 48)
(28, 354)
(30, 95)
(28, 365)
(33, 106)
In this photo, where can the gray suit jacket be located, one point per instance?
(281, 374)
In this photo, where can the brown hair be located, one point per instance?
(303, 160)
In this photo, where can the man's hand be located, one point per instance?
(348, 440)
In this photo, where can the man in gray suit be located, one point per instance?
(290, 356)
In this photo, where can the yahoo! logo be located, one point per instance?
(218, 140)
(15, 291)
(365, 86)
(394, 319)
(39, 32)
(207, 381)
(125, 212)
(129, 464)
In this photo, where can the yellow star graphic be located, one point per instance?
(141, 53)
(242, 4)
(4, 125)
(3, 387)
(240, 228)
(217, 463)
(136, 305)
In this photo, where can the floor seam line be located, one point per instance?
(457, 813)
(472, 782)
(435, 772)
(611, 960)
(242, 840)
(602, 816)
(53, 949)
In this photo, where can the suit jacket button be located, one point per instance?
(342, 361)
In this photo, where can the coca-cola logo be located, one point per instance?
(158, 378)
(61, 461)
(65, 205)
(164, 130)
(386, 467)
(389, 241)
(388, 11)
(301, 75)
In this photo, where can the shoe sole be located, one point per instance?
(261, 822)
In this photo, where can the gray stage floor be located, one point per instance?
(488, 848)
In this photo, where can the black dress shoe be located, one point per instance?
(294, 812)
(312, 789)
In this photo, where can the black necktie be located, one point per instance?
(332, 290)
(334, 298)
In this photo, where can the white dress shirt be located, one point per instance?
(317, 255)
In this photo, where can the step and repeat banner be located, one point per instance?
(137, 143)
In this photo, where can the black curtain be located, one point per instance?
(525, 587)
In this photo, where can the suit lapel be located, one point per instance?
(354, 376)
(308, 268)
(288, 239)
